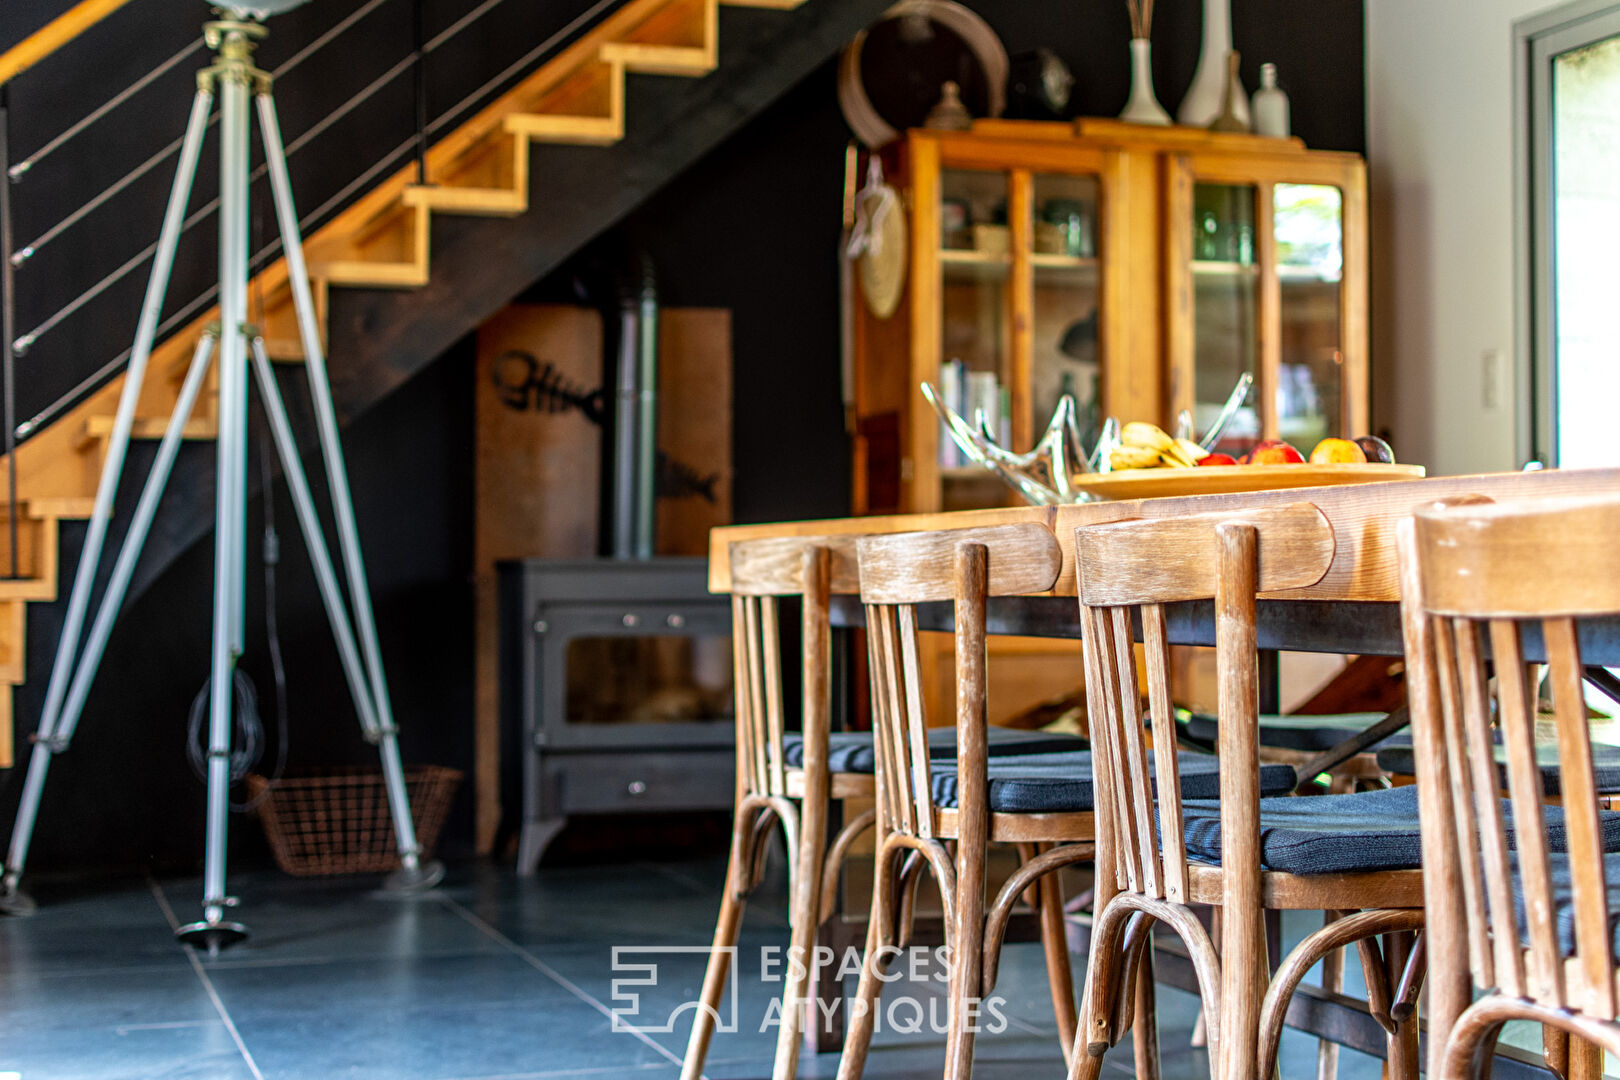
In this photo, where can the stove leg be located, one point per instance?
(533, 841)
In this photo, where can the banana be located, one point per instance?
(1147, 436)
(1133, 457)
(1184, 454)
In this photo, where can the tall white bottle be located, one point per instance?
(1207, 96)
(1270, 105)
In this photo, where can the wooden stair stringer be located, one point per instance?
(627, 43)
(39, 554)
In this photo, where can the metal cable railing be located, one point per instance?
(17, 261)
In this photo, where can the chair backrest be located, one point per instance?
(763, 572)
(1127, 573)
(965, 566)
(1481, 586)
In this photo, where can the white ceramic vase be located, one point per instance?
(1143, 107)
(1206, 98)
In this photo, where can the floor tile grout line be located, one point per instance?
(767, 912)
(207, 983)
(548, 971)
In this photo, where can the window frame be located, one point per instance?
(1537, 40)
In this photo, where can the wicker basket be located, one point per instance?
(337, 821)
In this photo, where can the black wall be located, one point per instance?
(754, 228)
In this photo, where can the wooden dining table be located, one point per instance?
(1329, 622)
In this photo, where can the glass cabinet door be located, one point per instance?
(1019, 292)
(1064, 277)
(1268, 276)
(975, 262)
(1308, 226)
(1225, 303)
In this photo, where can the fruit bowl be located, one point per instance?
(1122, 463)
(1227, 479)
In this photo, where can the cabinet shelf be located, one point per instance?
(1223, 268)
(970, 265)
(1305, 275)
(1286, 274)
(961, 264)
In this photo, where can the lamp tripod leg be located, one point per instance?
(51, 737)
(314, 539)
(413, 874)
(230, 509)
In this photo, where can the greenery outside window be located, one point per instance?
(1567, 142)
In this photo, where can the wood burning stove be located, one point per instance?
(615, 676)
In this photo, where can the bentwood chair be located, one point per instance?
(1160, 851)
(1523, 897)
(792, 777)
(1041, 803)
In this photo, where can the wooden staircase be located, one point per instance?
(382, 241)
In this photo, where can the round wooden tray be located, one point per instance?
(1225, 479)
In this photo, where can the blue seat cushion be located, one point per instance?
(1312, 734)
(1564, 901)
(1061, 783)
(851, 751)
(1342, 834)
(1605, 765)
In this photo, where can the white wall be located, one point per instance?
(1440, 157)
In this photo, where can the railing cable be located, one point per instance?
(8, 315)
(29, 250)
(16, 171)
(522, 62)
(107, 370)
(98, 377)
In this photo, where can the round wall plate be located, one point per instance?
(863, 117)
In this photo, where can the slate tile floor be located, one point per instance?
(487, 978)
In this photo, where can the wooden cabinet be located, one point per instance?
(1140, 269)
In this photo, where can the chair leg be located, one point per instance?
(1401, 1046)
(1103, 968)
(1585, 1060)
(1200, 1032)
(1145, 1030)
(1244, 974)
(1555, 1050)
(804, 922)
(1327, 1051)
(967, 977)
(726, 928)
(1059, 971)
(863, 1009)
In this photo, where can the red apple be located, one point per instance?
(1275, 452)
(1217, 459)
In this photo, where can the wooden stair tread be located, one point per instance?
(38, 590)
(39, 508)
(381, 275)
(581, 130)
(150, 427)
(496, 202)
(690, 60)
